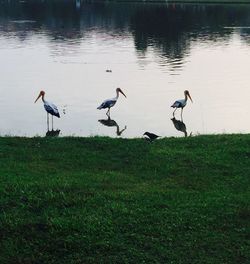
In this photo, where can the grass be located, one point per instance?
(102, 200)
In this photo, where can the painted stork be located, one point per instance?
(111, 102)
(182, 103)
(49, 107)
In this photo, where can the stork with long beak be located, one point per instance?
(182, 102)
(49, 107)
(111, 102)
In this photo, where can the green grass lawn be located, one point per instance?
(102, 200)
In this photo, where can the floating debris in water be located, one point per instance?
(64, 109)
(22, 21)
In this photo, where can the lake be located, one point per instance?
(80, 52)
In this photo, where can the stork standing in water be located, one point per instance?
(49, 107)
(182, 103)
(111, 102)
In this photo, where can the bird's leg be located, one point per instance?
(174, 111)
(48, 121)
(119, 132)
(52, 123)
(181, 114)
(108, 112)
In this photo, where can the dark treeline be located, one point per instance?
(167, 28)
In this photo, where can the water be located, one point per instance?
(155, 52)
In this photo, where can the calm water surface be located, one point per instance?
(155, 52)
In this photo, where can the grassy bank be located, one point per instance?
(101, 200)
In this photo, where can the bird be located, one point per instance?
(112, 123)
(182, 103)
(49, 107)
(111, 102)
(179, 125)
(151, 136)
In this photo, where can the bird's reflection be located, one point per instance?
(78, 4)
(180, 126)
(112, 123)
(53, 133)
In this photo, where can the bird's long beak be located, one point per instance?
(190, 97)
(38, 97)
(122, 93)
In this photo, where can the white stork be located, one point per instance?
(111, 102)
(49, 107)
(181, 103)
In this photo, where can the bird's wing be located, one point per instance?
(107, 104)
(51, 109)
(178, 103)
(154, 136)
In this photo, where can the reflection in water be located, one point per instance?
(170, 29)
(112, 123)
(78, 4)
(167, 29)
(53, 133)
(180, 126)
(154, 50)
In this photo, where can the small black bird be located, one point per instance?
(150, 136)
